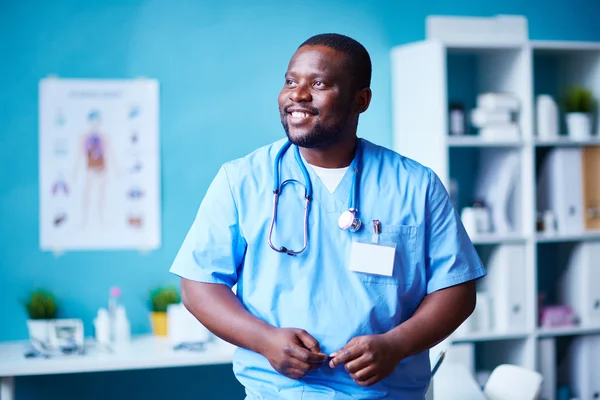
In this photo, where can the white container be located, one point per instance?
(102, 327)
(39, 332)
(183, 327)
(547, 117)
(579, 126)
(121, 328)
(481, 118)
(469, 219)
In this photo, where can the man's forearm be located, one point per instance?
(220, 311)
(438, 315)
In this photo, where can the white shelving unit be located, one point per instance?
(425, 76)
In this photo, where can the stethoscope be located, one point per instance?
(348, 221)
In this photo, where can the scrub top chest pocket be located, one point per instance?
(387, 257)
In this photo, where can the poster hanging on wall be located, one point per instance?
(99, 164)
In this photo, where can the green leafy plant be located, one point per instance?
(578, 100)
(161, 297)
(41, 305)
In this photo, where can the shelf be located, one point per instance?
(497, 239)
(564, 141)
(568, 331)
(557, 238)
(475, 141)
(490, 336)
(563, 45)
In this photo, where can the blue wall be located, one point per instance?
(220, 65)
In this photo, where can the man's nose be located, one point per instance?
(300, 94)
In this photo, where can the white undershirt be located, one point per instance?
(331, 177)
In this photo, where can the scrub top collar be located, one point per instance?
(337, 201)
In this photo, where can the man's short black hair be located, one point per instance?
(359, 61)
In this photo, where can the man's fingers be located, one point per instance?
(359, 363)
(372, 380)
(295, 373)
(307, 356)
(294, 363)
(364, 374)
(308, 341)
(345, 355)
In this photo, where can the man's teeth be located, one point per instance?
(299, 114)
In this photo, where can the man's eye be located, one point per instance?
(289, 82)
(319, 84)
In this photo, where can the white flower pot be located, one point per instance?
(579, 126)
(39, 331)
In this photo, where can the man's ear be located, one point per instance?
(363, 99)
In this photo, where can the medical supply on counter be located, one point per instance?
(121, 328)
(102, 327)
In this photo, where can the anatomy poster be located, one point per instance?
(99, 164)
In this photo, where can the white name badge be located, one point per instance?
(373, 258)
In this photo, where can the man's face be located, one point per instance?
(316, 103)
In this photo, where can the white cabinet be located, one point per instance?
(431, 77)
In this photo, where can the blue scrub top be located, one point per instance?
(315, 290)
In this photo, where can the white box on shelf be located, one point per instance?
(579, 286)
(481, 117)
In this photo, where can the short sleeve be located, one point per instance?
(451, 257)
(213, 248)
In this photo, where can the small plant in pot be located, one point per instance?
(579, 104)
(42, 309)
(160, 299)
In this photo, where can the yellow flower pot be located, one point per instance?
(159, 323)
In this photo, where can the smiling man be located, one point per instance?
(360, 267)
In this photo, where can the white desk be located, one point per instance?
(144, 352)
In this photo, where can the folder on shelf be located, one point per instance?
(560, 188)
(591, 186)
(507, 287)
(583, 366)
(547, 367)
(497, 185)
(579, 286)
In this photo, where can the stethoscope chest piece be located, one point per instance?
(348, 221)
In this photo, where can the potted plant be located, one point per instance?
(579, 106)
(160, 299)
(42, 309)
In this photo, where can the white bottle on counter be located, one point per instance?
(121, 328)
(102, 327)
